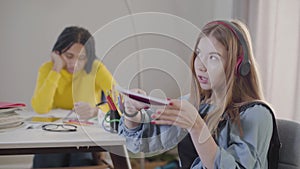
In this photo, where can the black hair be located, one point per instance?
(73, 34)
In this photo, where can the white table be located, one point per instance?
(85, 139)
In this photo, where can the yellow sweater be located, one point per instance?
(62, 90)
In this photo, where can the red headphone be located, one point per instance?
(242, 66)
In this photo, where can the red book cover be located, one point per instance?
(6, 105)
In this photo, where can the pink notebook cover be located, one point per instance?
(5, 105)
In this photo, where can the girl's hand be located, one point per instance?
(85, 111)
(132, 106)
(58, 61)
(180, 113)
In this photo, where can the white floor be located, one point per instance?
(16, 162)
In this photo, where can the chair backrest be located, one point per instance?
(289, 154)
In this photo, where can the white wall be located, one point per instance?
(29, 29)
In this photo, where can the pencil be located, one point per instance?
(99, 104)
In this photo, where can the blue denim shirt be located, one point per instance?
(234, 151)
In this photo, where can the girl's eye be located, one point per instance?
(69, 56)
(197, 51)
(213, 57)
(82, 57)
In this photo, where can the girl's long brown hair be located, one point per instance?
(239, 90)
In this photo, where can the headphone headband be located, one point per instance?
(243, 62)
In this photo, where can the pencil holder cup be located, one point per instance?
(114, 121)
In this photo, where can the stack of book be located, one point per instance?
(9, 118)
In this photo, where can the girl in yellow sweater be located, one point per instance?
(73, 79)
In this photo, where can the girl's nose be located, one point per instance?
(202, 67)
(72, 61)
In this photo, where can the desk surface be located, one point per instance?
(37, 137)
(84, 136)
(28, 141)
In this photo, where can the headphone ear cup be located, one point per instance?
(244, 68)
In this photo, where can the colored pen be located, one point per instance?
(99, 104)
(111, 103)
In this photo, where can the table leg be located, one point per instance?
(119, 157)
